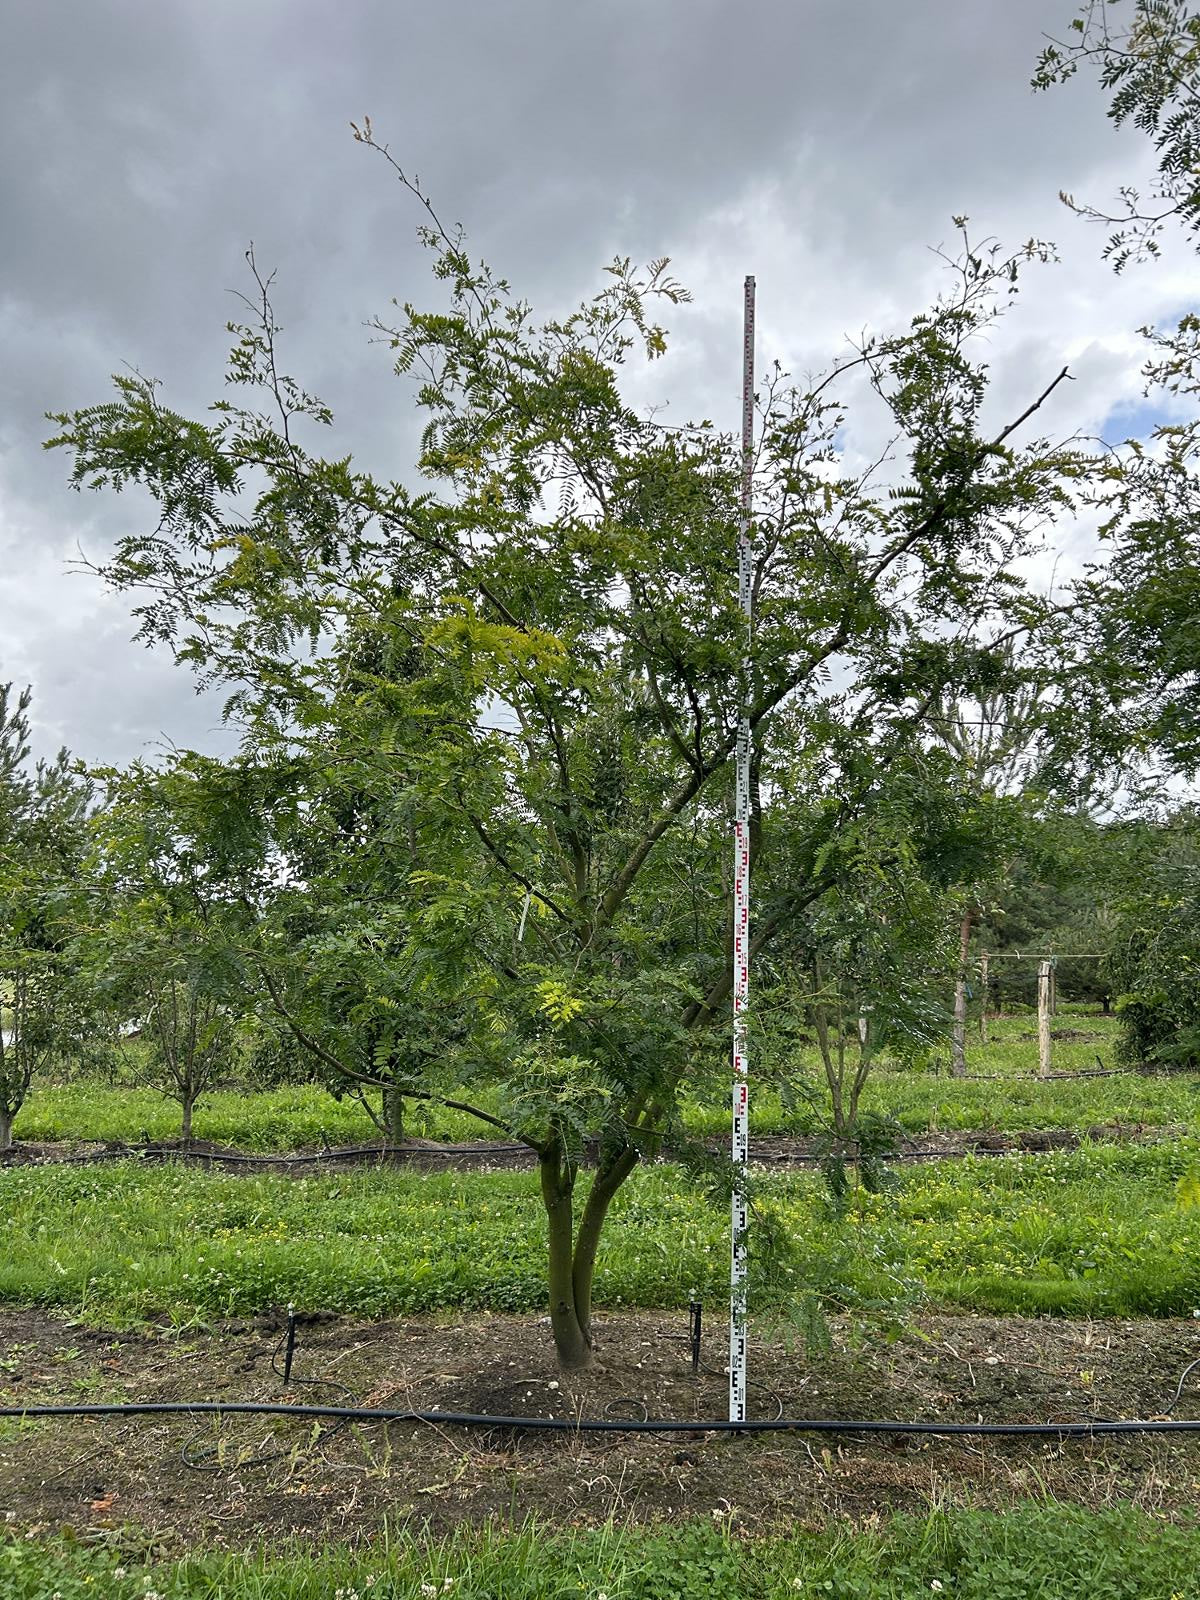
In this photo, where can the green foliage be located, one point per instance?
(1133, 629)
(286, 1118)
(1188, 1190)
(163, 942)
(1146, 54)
(1065, 881)
(47, 1012)
(489, 727)
(1156, 962)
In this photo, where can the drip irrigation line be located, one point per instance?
(757, 1157)
(1183, 1378)
(381, 1153)
(627, 1400)
(471, 1419)
(208, 1458)
(1146, 1071)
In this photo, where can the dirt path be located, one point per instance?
(90, 1475)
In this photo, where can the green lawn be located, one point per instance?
(1045, 1549)
(1095, 1231)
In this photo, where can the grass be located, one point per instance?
(1052, 1550)
(307, 1117)
(300, 1117)
(1098, 1231)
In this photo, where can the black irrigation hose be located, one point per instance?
(213, 1157)
(471, 1419)
(765, 1158)
(1145, 1070)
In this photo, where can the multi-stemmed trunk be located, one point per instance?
(7, 1117)
(189, 1101)
(572, 1251)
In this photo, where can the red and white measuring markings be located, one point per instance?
(741, 900)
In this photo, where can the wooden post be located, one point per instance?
(983, 997)
(1045, 972)
(958, 1035)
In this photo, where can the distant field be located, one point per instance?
(306, 1118)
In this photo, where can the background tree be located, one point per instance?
(1156, 946)
(1134, 635)
(162, 946)
(1060, 893)
(46, 1014)
(555, 754)
(995, 741)
(864, 970)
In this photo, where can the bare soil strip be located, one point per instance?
(430, 1155)
(94, 1475)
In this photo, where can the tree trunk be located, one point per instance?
(604, 1186)
(189, 1101)
(7, 1118)
(571, 1343)
(393, 1114)
(958, 1039)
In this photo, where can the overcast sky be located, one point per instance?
(822, 144)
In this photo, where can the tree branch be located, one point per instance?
(339, 1066)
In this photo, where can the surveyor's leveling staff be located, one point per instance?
(741, 899)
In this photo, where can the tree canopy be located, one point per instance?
(489, 723)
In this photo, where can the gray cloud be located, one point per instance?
(822, 145)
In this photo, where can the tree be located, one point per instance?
(546, 736)
(162, 947)
(44, 1012)
(864, 968)
(1134, 631)
(1151, 65)
(1155, 950)
(993, 740)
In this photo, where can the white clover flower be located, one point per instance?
(937, 1585)
(118, 1572)
(428, 1588)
